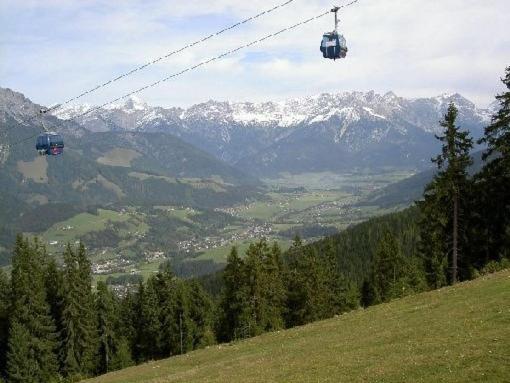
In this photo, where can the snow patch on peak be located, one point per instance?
(372, 113)
(129, 105)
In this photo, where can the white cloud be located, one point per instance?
(55, 49)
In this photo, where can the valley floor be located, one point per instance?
(456, 334)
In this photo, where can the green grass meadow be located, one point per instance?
(455, 334)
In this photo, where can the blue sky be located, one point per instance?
(52, 50)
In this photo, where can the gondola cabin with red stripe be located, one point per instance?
(50, 143)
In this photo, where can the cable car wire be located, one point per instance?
(196, 66)
(167, 55)
(191, 68)
(149, 63)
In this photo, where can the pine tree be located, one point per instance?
(122, 357)
(445, 201)
(343, 294)
(308, 295)
(32, 338)
(78, 335)
(184, 326)
(105, 309)
(150, 328)
(492, 204)
(234, 302)
(390, 270)
(173, 310)
(5, 302)
(264, 288)
(200, 315)
(53, 280)
(128, 322)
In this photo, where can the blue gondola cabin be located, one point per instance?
(50, 144)
(333, 46)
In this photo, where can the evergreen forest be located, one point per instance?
(55, 325)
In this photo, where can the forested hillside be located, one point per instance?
(55, 325)
(100, 169)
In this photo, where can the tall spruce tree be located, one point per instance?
(390, 269)
(32, 338)
(493, 184)
(201, 316)
(53, 279)
(78, 328)
(5, 303)
(150, 327)
(445, 201)
(344, 295)
(105, 307)
(173, 311)
(265, 288)
(128, 324)
(308, 286)
(234, 302)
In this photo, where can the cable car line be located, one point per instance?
(191, 68)
(228, 53)
(174, 52)
(149, 63)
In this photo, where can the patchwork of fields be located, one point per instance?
(135, 240)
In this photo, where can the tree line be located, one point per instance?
(54, 326)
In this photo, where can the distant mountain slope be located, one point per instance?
(336, 132)
(411, 189)
(456, 334)
(100, 169)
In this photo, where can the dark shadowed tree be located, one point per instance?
(79, 341)
(5, 303)
(32, 338)
(445, 203)
(491, 202)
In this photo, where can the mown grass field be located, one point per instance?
(71, 229)
(456, 334)
(220, 254)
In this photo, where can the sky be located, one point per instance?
(52, 50)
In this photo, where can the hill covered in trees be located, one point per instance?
(54, 325)
(100, 169)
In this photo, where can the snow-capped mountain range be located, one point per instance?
(323, 132)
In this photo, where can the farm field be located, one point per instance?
(136, 240)
(455, 334)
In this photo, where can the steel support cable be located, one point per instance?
(152, 62)
(169, 54)
(205, 62)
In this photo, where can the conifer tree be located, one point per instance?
(5, 303)
(173, 311)
(264, 288)
(184, 327)
(32, 338)
(492, 198)
(151, 331)
(78, 335)
(390, 269)
(53, 279)
(445, 201)
(122, 357)
(200, 316)
(308, 297)
(343, 295)
(128, 324)
(234, 303)
(105, 309)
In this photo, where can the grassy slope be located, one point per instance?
(456, 334)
